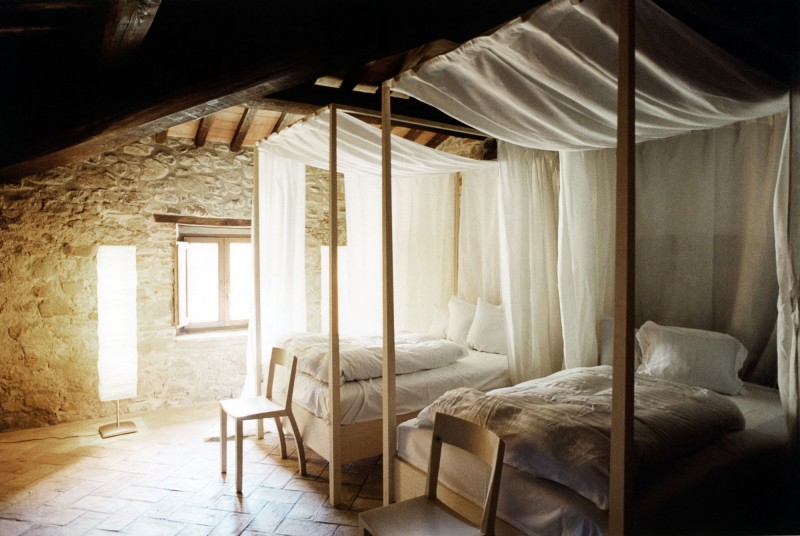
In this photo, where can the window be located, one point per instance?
(214, 277)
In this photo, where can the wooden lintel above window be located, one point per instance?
(197, 220)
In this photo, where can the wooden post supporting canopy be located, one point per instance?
(335, 461)
(389, 385)
(456, 230)
(621, 476)
(255, 233)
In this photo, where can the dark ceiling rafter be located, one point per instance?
(281, 123)
(436, 141)
(242, 129)
(306, 99)
(127, 25)
(203, 129)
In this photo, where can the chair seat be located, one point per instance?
(251, 407)
(417, 516)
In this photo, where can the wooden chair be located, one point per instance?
(259, 407)
(427, 514)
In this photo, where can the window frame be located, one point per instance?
(223, 236)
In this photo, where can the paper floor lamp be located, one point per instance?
(116, 330)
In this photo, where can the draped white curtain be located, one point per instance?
(478, 246)
(704, 238)
(586, 228)
(788, 329)
(281, 215)
(529, 186)
(423, 235)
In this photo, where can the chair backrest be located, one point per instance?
(281, 357)
(477, 440)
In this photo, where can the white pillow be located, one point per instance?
(441, 316)
(692, 356)
(461, 315)
(488, 330)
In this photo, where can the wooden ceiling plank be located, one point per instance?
(127, 25)
(242, 129)
(203, 129)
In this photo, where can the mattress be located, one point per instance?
(361, 400)
(684, 493)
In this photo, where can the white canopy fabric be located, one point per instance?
(548, 80)
(423, 201)
(359, 149)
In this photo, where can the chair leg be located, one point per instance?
(301, 453)
(223, 440)
(239, 453)
(281, 436)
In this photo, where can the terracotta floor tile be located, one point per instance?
(144, 526)
(13, 527)
(299, 527)
(166, 480)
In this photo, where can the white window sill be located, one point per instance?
(212, 335)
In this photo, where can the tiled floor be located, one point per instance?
(165, 480)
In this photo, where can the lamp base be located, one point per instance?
(117, 428)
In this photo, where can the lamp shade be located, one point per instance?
(116, 322)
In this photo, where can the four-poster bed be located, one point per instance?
(532, 96)
(425, 186)
(550, 110)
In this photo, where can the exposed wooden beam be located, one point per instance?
(203, 129)
(309, 98)
(414, 134)
(355, 76)
(161, 137)
(198, 220)
(280, 124)
(126, 26)
(437, 140)
(242, 129)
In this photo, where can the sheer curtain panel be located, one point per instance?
(529, 186)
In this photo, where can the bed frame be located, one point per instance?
(409, 482)
(354, 441)
(358, 440)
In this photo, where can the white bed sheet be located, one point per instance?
(361, 400)
(538, 506)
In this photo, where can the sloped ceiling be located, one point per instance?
(83, 76)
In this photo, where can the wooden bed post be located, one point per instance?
(389, 380)
(456, 230)
(255, 233)
(621, 477)
(335, 461)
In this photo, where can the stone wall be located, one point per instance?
(50, 227)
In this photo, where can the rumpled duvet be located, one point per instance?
(361, 358)
(559, 427)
